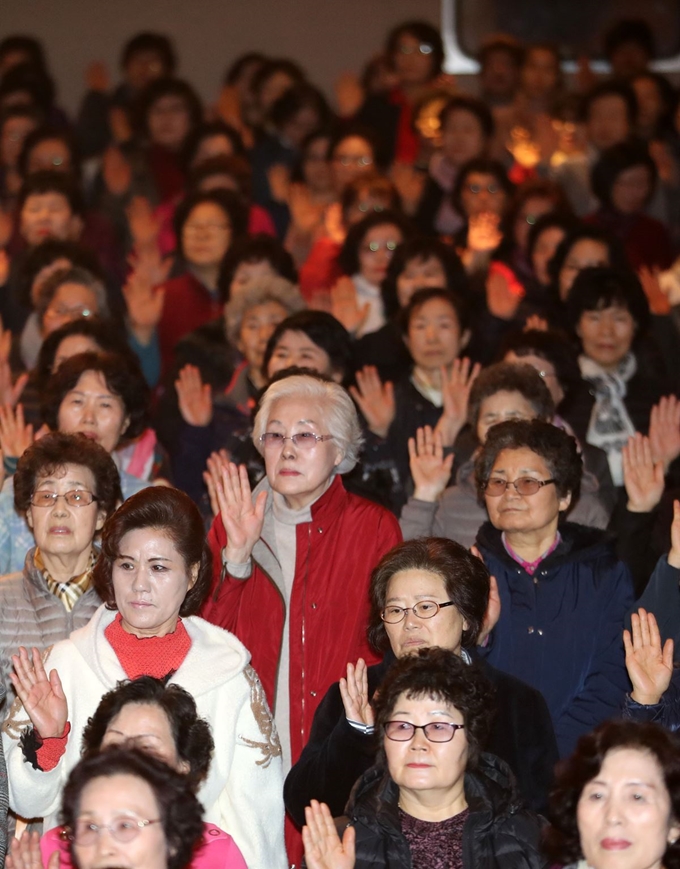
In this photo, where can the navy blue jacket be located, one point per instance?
(561, 630)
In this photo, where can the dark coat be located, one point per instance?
(337, 754)
(560, 630)
(498, 833)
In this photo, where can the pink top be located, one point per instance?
(218, 851)
(531, 566)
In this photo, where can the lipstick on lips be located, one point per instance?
(615, 844)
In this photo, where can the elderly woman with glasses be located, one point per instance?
(433, 798)
(563, 593)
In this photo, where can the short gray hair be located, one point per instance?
(259, 291)
(72, 275)
(338, 409)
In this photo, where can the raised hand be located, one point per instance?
(305, 214)
(375, 400)
(24, 853)
(143, 224)
(215, 461)
(116, 171)
(9, 391)
(194, 397)
(429, 469)
(144, 300)
(354, 693)
(649, 666)
(674, 554)
(456, 387)
(278, 176)
(42, 698)
(345, 306)
(658, 300)
(323, 847)
(349, 94)
(664, 430)
(643, 477)
(15, 435)
(242, 518)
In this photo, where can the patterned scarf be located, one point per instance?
(610, 426)
(67, 592)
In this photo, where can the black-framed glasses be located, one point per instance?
(122, 829)
(495, 487)
(74, 498)
(435, 731)
(424, 609)
(304, 440)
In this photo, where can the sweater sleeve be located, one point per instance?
(254, 789)
(334, 758)
(417, 518)
(606, 682)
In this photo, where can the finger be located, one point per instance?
(627, 643)
(635, 630)
(644, 628)
(668, 653)
(654, 633)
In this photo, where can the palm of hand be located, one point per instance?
(242, 523)
(47, 711)
(427, 469)
(648, 670)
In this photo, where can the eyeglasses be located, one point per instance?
(375, 246)
(304, 440)
(74, 498)
(423, 48)
(435, 731)
(212, 229)
(495, 487)
(123, 829)
(66, 311)
(479, 188)
(347, 160)
(424, 609)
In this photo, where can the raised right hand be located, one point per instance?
(429, 469)
(649, 666)
(194, 397)
(242, 518)
(25, 853)
(643, 478)
(323, 847)
(354, 693)
(375, 400)
(15, 435)
(42, 698)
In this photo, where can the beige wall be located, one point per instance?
(327, 36)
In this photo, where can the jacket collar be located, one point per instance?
(578, 542)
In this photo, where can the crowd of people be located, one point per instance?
(340, 462)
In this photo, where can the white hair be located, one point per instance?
(259, 291)
(338, 412)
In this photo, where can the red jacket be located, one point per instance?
(187, 306)
(329, 606)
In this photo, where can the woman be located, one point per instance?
(162, 721)
(434, 798)
(583, 247)
(285, 549)
(563, 593)
(153, 575)
(616, 801)
(65, 487)
(505, 391)
(341, 745)
(102, 396)
(152, 820)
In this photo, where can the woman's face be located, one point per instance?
(524, 514)
(649, 101)
(216, 145)
(72, 346)
(540, 73)
(631, 190)
(300, 475)
(419, 274)
(257, 326)
(90, 408)
(352, 156)
(72, 300)
(147, 727)
(532, 208)
(52, 154)
(169, 122)
(462, 137)
(376, 251)
(206, 235)
(624, 814)
(584, 254)
(482, 194)
(406, 589)
(434, 337)
(107, 800)
(419, 765)
(606, 335)
(501, 407)
(297, 349)
(544, 250)
(545, 369)
(62, 530)
(48, 215)
(413, 60)
(150, 582)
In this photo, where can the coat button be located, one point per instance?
(530, 630)
(320, 530)
(313, 693)
(313, 606)
(540, 632)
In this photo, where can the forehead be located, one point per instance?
(520, 459)
(436, 307)
(118, 793)
(624, 763)
(588, 247)
(51, 199)
(206, 211)
(134, 717)
(93, 381)
(68, 473)
(410, 581)
(505, 400)
(423, 261)
(382, 232)
(292, 339)
(351, 145)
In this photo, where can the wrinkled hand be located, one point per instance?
(429, 469)
(215, 460)
(674, 554)
(643, 477)
(323, 847)
(484, 233)
(42, 698)
(349, 94)
(345, 306)
(375, 400)
(25, 853)
(15, 435)
(493, 608)
(664, 430)
(242, 518)
(116, 171)
(658, 300)
(456, 387)
(649, 666)
(143, 223)
(194, 396)
(354, 693)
